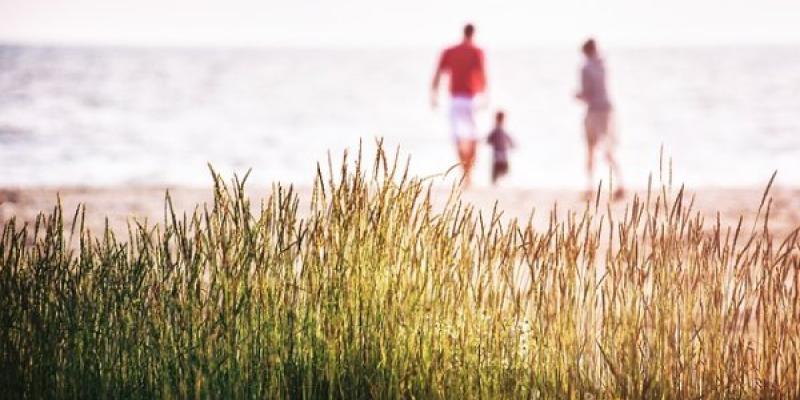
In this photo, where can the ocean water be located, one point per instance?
(137, 116)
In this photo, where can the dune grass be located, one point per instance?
(376, 292)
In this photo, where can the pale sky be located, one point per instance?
(322, 23)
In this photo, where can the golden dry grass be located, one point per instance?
(376, 293)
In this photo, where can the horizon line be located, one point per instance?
(394, 46)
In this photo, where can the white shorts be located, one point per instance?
(462, 118)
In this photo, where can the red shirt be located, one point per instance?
(464, 63)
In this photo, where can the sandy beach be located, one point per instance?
(124, 204)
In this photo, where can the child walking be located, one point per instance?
(501, 142)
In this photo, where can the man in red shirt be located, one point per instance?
(464, 64)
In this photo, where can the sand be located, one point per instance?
(124, 204)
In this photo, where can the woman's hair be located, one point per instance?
(589, 47)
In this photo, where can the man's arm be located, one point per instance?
(480, 73)
(583, 94)
(479, 80)
(436, 78)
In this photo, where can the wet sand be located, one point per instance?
(124, 204)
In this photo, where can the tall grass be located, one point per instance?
(376, 292)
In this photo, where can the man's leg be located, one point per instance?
(458, 125)
(619, 192)
(471, 142)
(464, 130)
(610, 146)
(466, 154)
(590, 127)
(590, 150)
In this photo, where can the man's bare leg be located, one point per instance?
(588, 194)
(619, 192)
(466, 154)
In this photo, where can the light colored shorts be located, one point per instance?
(462, 118)
(600, 127)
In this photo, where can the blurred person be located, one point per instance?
(598, 123)
(465, 66)
(501, 142)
